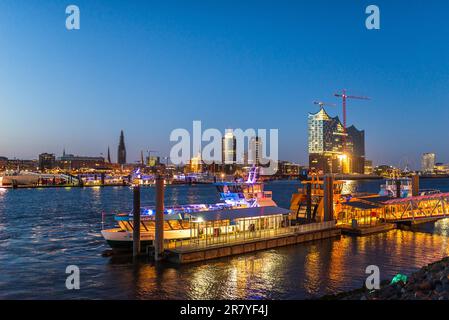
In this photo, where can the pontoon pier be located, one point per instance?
(197, 232)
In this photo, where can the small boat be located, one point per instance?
(390, 188)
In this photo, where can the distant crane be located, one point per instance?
(322, 104)
(344, 97)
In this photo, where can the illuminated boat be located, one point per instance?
(390, 188)
(234, 196)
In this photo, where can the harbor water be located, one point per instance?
(42, 231)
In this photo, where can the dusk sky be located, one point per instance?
(148, 67)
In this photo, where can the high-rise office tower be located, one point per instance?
(229, 152)
(428, 162)
(229, 148)
(254, 151)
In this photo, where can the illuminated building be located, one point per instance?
(153, 161)
(121, 155)
(326, 145)
(325, 142)
(254, 151)
(195, 165)
(19, 165)
(384, 170)
(288, 168)
(229, 151)
(3, 163)
(369, 167)
(428, 162)
(72, 162)
(441, 168)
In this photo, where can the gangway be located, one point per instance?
(432, 206)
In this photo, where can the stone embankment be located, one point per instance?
(429, 283)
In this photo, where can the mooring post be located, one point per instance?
(309, 201)
(159, 233)
(415, 185)
(136, 221)
(398, 188)
(328, 187)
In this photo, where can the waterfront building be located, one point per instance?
(46, 161)
(72, 162)
(121, 154)
(327, 154)
(22, 165)
(288, 168)
(428, 162)
(153, 161)
(384, 170)
(368, 167)
(442, 168)
(3, 163)
(195, 165)
(109, 155)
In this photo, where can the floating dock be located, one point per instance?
(366, 230)
(294, 235)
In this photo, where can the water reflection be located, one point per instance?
(58, 227)
(349, 186)
(295, 272)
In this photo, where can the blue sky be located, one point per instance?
(148, 67)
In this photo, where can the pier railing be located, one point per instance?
(239, 237)
(311, 227)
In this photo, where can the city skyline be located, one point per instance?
(258, 66)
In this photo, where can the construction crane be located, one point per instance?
(344, 97)
(322, 104)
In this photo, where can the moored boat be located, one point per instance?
(233, 196)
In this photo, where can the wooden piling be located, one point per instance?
(309, 202)
(136, 221)
(398, 188)
(415, 185)
(328, 187)
(159, 232)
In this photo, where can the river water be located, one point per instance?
(42, 231)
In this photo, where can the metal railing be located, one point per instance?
(311, 227)
(239, 237)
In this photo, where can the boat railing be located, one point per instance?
(429, 191)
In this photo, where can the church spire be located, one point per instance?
(121, 156)
(109, 156)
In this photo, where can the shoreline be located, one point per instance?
(353, 178)
(430, 282)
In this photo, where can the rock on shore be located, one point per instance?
(429, 283)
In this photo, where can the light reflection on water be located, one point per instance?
(43, 231)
